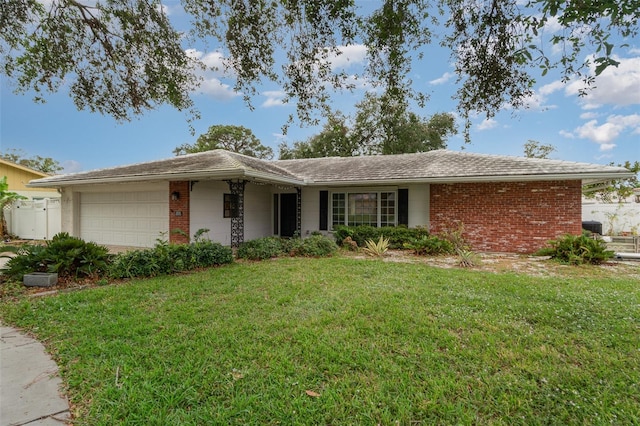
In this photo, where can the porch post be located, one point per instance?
(237, 222)
(299, 211)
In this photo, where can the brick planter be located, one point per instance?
(40, 279)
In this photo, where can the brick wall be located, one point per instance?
(176, 206)
(517, 217)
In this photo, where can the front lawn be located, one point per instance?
(345, 341)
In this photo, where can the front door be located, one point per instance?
(288, 214)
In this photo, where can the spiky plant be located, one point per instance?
(467, 258)
(378, 248)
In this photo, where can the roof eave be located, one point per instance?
(590, 177)
(199, 175)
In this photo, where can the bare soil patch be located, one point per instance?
(517, 263)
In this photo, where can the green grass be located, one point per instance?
(380, 343)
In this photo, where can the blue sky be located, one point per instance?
(600, 128)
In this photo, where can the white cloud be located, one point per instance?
(589, 115)
(217, 89)
(550, 88)
(606, 133)
(359, 82)
(487, 123)
(566, 134)
(443, 79)
(616, 86)
(552, 25)
(212, 71)
(71, 166)
(353, 54)
(274, 98)
(213, 61)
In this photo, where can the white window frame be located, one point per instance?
(377, 190)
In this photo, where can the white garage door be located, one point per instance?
(124, 218)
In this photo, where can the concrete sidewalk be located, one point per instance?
(29, 383)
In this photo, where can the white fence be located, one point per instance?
(616, 219)
(34, 219)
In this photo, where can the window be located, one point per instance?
(338, 209)
(387, 209)
(363, 208)
(230, 205)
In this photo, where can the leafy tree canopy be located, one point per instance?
(375, 130)
(121, 58)
(42, 164)
(232, 138)
(535, 149)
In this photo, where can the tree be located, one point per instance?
(6, 199)
(535, 149)
(42, 164)
(617, 190)
(121, 58)
(232, 138)
(376, 129)
(333, 140)
(386, 127)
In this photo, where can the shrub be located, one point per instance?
(398, 236)
(313, 246)
(261, 248)
(430, 245)
(454, 233)
(577, 250)
(164, 259)
(65, 255)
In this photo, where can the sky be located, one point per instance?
(602, 127)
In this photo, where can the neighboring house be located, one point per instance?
(19, 176)
(505, 203)
(37, 216)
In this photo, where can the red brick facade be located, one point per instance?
(179, 212)
(515, 217)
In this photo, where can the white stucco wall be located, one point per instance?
(615, 218)
(206, 211)
(258, 211)
(310, 210)
(418, 205)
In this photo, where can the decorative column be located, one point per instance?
(299, 211)
(237, 222)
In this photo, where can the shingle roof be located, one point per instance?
(435, 165)
(215, 163)
(432, 166)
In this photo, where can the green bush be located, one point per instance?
(261, 248)
(429, 245)
(313, 246)
(398, 236)
(65, 255)
(164, 259)
(577, 250)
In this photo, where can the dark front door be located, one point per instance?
(288, 214)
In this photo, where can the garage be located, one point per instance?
(134, 219)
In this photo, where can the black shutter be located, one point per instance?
(403, 207)
(324, 210)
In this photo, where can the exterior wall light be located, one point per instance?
(175, 195)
